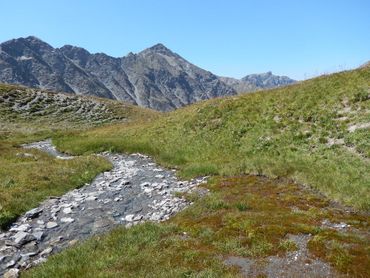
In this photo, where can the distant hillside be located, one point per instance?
(254, 82)
(156, 77)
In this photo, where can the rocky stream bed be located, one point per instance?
(135, 190)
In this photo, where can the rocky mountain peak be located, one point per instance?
(158, 48)
(21, 46)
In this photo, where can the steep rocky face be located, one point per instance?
(255, 82)
(32, 62)
(155, 78)
(162, 78)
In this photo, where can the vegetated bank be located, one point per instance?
(315, 132)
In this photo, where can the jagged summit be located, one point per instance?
(158, 49)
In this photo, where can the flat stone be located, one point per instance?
(10, 264)
(12, 273)
(51, 225)
(23, 237)
(73, 242)
(91, 198)
(67, 210)
(129, 217)
(148, 190)
(21, 228)
(38, 235)
(138, 217)
(67, 220)
(47, 251)
(33, 212)
(39, 261)
(29, 254)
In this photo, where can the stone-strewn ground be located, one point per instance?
(135, 190)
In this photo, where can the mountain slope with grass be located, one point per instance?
(290, 192)
(315, 132)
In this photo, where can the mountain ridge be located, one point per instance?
(155, 77)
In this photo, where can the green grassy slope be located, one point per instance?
(27, 177)
(315, 132)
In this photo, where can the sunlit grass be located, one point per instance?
(279, 133)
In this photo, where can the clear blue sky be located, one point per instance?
(300, 38)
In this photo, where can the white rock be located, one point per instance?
(22, 237)
(91, 198)
(12, 273)
(47, 251)
(39, 261)
(138, 217)
(40, 222)
(148, 190)
(21, 228)
(67, 220)
(67, 210)
(10, 264)
(38, 235)
(51, 225)
(129, 217)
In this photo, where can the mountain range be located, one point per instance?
(156, 77)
